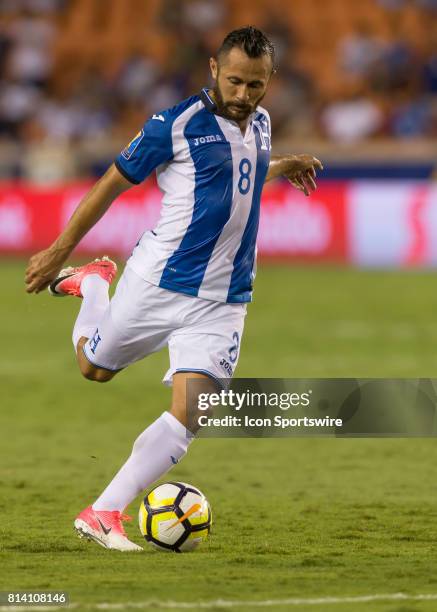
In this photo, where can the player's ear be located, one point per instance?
(213, 67)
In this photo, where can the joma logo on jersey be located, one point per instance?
(94, 341)
(205, 139)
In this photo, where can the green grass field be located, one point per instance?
(294, 518)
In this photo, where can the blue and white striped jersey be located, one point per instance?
(211, 177)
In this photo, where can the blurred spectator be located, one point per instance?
(30, 59)
(203, 15)
(17, 103)
(44, 6)
(5, 45)
(352, 118)
(430, 62)
(137, 78)
(170, 16)
(430, 74)
(163, 95)
(72, 114)
(359, 50)
(427, 4)
(39, 6)
(392, 5)
(289, 100)
(282, 36)
(198, 16)
(411, 118)
(396, 67)
(60, 119)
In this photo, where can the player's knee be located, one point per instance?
(95, 374)
(89, 371)
(99, 376)
(186, 397)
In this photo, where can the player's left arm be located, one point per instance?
(300, 170)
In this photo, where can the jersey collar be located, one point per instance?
(207, 100)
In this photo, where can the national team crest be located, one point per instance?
(130, 148)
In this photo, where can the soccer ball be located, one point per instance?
(175, 516)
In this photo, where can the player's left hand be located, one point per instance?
(300, 170)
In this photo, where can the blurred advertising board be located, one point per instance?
(368, 223)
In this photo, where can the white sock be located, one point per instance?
(154, 452)
(95, 301)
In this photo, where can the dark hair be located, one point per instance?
(251, 40)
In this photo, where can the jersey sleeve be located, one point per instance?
(151, 147)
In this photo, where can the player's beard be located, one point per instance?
(231, 110)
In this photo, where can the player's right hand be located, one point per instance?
(42, 269)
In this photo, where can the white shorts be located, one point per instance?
(202, 336)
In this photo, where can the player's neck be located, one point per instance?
(241, 124)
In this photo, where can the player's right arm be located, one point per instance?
(152, 146)
(45, 265)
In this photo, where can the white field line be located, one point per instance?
(224, 603)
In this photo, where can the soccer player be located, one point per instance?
(188, 281)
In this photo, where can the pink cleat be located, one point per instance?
(105, 528)
(69, 279)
